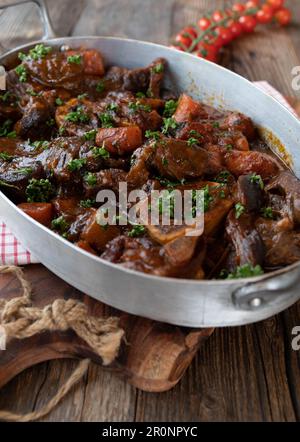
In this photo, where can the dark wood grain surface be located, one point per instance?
(245, 373)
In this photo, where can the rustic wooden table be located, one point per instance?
(240, 374)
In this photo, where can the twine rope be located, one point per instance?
(20, 320)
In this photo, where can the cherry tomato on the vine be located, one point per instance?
(265, 14)
(207, 51)
(183, 41)
(218, 16)
(238, 7)
(204, 23)
(225, 34)
(252, 4)
(248, 22)
(275, 4)
(190, 31)
(236, 29)
(283, 16)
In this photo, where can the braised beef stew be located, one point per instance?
(70, 127)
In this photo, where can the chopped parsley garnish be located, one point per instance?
(76, 164)
(113, 107)
(100, 86)
(192, 142)
(32, 92)
(61, 130)
(23, 171)
(140, 95)
(239, 210)
(229, 146)
(244, 271)
(170, 108)
(137, 231)
(267, 212)
(38, 52)
(77, 116)
(106, 120)
(21, 72)
(60, 224)
(167, 201)
(90, 135)
(222, 177)
(5, 130)
(169, 123)
(76, 59)
(215, 124)
(87, 203)
(222, 194)
(41, 144)
(50, 122)
(164, 161)
(82, 96)
(195, 133)
(158, 68)
(257, 179)
(152, 134)
(5, 97)
(90, 178)
(167, 183)
(12, 134)
(207, 198)
(134, 107)
(4, 156)
(100, 152)
(59, 101)
(39, 191)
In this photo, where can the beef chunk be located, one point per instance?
(16, 174)
(247, 243)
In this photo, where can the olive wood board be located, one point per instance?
(153, 357)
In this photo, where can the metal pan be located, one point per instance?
(176, 301)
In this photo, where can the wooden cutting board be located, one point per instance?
(153, 358)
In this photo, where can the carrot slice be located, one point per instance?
(188, 109)
(41, 212)
(85, 246)
(120, 140)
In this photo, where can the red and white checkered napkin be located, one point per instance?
(12, 251)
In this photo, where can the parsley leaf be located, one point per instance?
(39, 191)
(239, 210)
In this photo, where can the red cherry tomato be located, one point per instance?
(191, 31)
(252, 4)
(207, 51)
(275, 4)
(248, 23)
(236, 29)
(265, 14)
(204, 23)
(238, 7)
(183, 40)
(283, 16)
(225, 34)
(218, 16)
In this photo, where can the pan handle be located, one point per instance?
(269, 291)
(44, 14)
